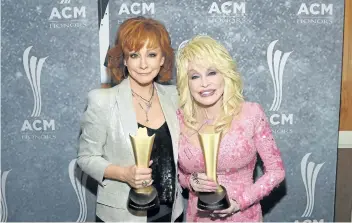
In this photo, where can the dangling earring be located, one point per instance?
(193, 107)
(124, 72)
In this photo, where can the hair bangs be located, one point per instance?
(139, 36)
(205, 55)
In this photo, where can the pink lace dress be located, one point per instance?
(248, 136)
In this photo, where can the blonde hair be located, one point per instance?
(207, 52)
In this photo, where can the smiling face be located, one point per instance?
(206, 84)
(144, 65)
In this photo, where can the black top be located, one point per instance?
(163, 167)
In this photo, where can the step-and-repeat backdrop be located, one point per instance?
(52, 53)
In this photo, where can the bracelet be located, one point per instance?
(189, 182)
(238, 207)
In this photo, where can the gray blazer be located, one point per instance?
(106, 125)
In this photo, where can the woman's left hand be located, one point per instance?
(234, 207)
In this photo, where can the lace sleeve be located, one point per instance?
(274, 172)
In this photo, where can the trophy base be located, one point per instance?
(211, 201)
(143, 202)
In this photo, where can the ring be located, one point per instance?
(144, 183)
(195, 177)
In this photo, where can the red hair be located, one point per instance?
(131, 36)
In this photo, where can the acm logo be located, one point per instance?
(79, 182)
(227, 12)
(67, 16)
(315, 13)
(315, 9)
(309, 221)
(33, 69)
(310, 172)
(276, 62)
(4, 209)
(137, 8)
(228, 8)
(67, 12)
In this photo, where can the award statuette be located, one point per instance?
(218, 200)
(146, 198)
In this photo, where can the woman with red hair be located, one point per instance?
(140, 61)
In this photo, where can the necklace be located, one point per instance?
(148, 103)
(207, 121)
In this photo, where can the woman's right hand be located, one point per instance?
(138, 177)
(201, 183)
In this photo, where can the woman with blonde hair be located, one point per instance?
(211, 95)
(140, 61)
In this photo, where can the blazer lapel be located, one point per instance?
(169, 110)
(128, 119)
(126, 114)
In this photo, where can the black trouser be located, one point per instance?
(166, 218)
(97, 219)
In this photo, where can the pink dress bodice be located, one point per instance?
(248, 136)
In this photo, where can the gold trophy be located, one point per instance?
(145, 198)
(218, 200)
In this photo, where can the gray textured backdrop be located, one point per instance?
(302, 39)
